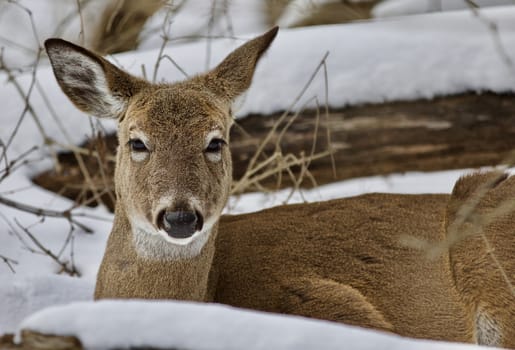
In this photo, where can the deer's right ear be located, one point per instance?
(92, 83)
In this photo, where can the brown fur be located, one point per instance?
(478, 279)
(340, 260)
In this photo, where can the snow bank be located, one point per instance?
(444, 53)
(183, 325)
(21, 296)
(390, 8)
(408, 183)
(34, 284)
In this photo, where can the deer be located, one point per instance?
(340, 260)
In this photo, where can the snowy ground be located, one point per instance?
(390, 8)
(368, 62)
(115, 324)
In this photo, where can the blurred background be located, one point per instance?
(113, 26)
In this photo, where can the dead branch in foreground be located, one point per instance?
(67, 267)
(279, 163)
(9, 262)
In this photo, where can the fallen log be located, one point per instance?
(463, 131)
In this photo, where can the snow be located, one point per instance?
(34, 284)
(408, 183)
(183, 325)
(22, 294)
(390, 8)
(444, 53)
(50, 18)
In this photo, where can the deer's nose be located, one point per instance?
(181, 224)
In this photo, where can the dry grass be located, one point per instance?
(122, 23)
(262, 166)
(314, 13)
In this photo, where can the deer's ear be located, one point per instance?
(233, 76)
(92, 83)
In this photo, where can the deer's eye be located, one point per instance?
(215, 146)
(137, 145)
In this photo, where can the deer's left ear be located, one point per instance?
(233, 76)
(92, 83)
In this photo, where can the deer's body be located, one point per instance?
(341, 260)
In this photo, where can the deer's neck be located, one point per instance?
(161, 270)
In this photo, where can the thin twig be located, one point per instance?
(176, 65)
(12, 79)
(9, 262)
(12, 165)
(82, 38)
(165, 29)
(328, 129)
(210, 26)
(494, 31)
(64, 266)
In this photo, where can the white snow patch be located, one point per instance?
(390, 8)
(184, 325)
(407, 183)
(22, 295)
(35, 283)
(50, 18)
(372, 62)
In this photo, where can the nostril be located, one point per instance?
(200, 221)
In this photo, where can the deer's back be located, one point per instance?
(280, 259)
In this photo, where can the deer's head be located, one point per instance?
(173, 167)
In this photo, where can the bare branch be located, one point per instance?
(64, 265)
(165, 29)
(14, 164)
(81, 33)
(494, 31)
(66, 214)
(210, 26)
(285, 114)
(9, 262)
(328, 129)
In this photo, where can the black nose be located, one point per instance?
(181, 224)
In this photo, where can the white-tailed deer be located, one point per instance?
(340, 260)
